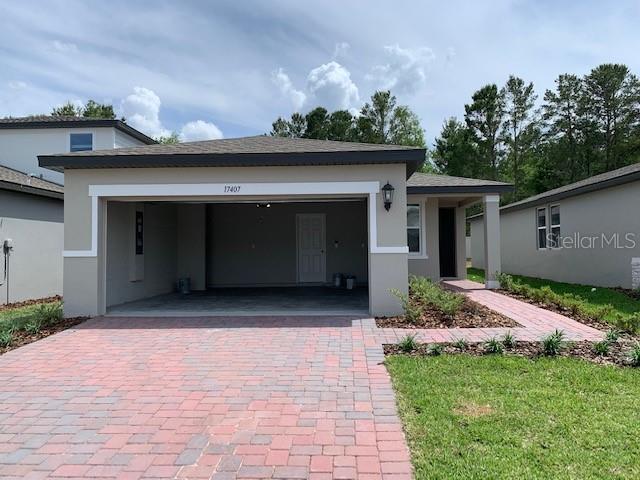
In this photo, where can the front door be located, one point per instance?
(311, 248)
(447, 241)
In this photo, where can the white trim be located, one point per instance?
(492, 198)
(421, 224)
(552, 226)
(545, 228)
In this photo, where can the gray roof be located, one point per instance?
(11, 179)
(52, 121)
(235, 152)
(430, 183)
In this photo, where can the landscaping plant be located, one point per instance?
(508, 341)
(432, 294)
(553, 343)
(435, 349)
(601, 348)
(634, 357)
(493, 346)
(6, 337)
(408, 343)
(461, 344)
(412, 310)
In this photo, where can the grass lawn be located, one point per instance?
(510, 417)
(622, 304)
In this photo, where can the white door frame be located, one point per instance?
(324, 244)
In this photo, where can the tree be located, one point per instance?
(293, 128)
(405, 128)
(170, 139)
(455, 152)
(612, 96)
(484, 118)
(519, 127)
(341, 126)
(317, 121)
(91, 109)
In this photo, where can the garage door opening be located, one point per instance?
(267, 257)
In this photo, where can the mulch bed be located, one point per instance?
(618, 351)
(471, 315)
(26, 303)
(21, 337)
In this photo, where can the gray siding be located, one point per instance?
(36, 226)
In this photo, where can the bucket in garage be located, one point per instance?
(351, 281)
(184, 285)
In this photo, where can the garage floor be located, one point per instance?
(250, 302)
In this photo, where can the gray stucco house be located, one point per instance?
(260, 213)
(587, 232)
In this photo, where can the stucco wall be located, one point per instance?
(35, 224)
(391, 226)
(257, 246)
(610, 211)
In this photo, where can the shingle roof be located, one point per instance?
(15, 180)
(622, 175)
(246, 151)
(430, 183)
(51, 121)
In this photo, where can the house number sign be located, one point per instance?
(231, 188)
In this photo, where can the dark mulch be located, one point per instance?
(618, 351)
(21, 337)
(26, 303)
(471, 315)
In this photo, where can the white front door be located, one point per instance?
(311, 248)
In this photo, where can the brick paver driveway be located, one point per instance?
(201, 398)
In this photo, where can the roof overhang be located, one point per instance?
(412, 158)
(460, 189)
(16, 187)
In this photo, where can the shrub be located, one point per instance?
(508, 341)
(601, 348)
(612, 336)
(435, 349)
(425, 291)
(629, 323)
(634, 356)
(412, 310)
(461, 344)
(506, 281)
(6, 337)
(553, 343)
(33, 326)
(408, 343)
(493, 346)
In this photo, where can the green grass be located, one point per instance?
(511, 417)
(594, 299)
(18, 313)
(30, 319)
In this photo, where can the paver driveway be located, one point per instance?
(201, 398)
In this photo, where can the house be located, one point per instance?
(31, 198)
(586, 232)
(246, 219)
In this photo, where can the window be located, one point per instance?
(541, 225)
(555, 226)
(80, 142)
(413, 228)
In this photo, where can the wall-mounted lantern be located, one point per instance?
(387, 195)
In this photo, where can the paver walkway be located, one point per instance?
(201, 398)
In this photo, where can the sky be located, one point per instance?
(213, 69)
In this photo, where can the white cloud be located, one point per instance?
(65, 47)
(340, 50)
(199, 130)
(404, 70)
(142, 111)
(282, 80)
(331, 86)
(17, 85)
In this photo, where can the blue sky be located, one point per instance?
(211, 69)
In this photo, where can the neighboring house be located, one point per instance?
(260, 212)
(22, 139)
(587, 232)
(31, 198)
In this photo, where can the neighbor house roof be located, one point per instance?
(430, 183)
(240, 152)
(51, 121)
(623, 175)
(11, 179)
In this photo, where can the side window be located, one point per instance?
(413, 228)
(80, 142)
(555, 226)
(541, 227)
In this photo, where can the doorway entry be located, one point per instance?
(311, 247)
(447, 242)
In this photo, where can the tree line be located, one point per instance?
(584, 126)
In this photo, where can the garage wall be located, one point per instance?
(159, 271)
(257, 246)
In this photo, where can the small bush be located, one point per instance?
(461, 344)
(49, 313)
(493, 346)
(634, 356)
(629, 323)
(552, 344)
(435, 349)
(508, 341)
(33, 326)
(425, 291)
(412, 310)
(6, 338)
(506, 281)
(601, 348)
(612, 336)
(408, 343)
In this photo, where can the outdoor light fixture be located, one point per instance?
(387, 195)
(263, 205)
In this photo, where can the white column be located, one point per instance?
(492, 240)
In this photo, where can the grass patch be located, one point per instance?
(510, 417)
(25, 322)
(598, 303)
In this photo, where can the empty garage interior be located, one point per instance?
(267, 257)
